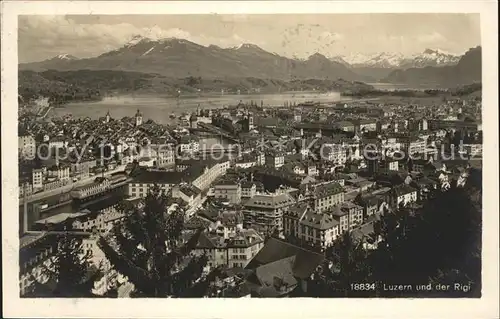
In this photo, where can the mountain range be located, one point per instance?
(387, 60)
(179, 58)
(466, 71)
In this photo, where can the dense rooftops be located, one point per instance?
(319, 220)
(327, 189)
(242, 238)
(402, 189)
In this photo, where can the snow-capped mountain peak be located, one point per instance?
(385, 60)
(339, 59)
(173, 39)
(65, 56)
(135, 40)
(247, 46)
(429, 57)
(381, 59)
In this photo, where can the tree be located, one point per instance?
(69, 272)
(346, 263)
(147, 248)
(439, 243)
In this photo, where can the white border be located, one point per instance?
(486, 307)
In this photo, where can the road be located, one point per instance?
(40, 196)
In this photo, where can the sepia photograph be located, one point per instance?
(249, 155)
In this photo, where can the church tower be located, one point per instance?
(138, 118)
(108, 117)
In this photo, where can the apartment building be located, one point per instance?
(248, 189)
(413, 145)
(335, 153)
(27, 146)
(25, 188)
(165, 158)
(235, 249)
(101, 220)
(189, 193)
(264, 212)
(260, 158)
(228, 191)
(371, 204)
(35, 251)
(275, 159)
(349, 216)
(326, 195)
(403, 195)
(307, 226)
(188, 144)
(143, 181)
(60, 172)
(37, 177)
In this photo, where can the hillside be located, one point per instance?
(467, 70)
(92, 84)
(375, 73)
(177, 58)
(56, 88)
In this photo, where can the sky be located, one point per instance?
(299, 36)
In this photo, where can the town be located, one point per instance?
(267, 196)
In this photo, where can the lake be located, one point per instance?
(160, 108)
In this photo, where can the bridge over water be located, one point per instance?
(205, 128)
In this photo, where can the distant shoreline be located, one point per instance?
(214, 94)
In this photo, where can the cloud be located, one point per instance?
(433, 37)
(42, 37)
(303, 40)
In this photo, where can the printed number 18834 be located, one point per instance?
(362, 287)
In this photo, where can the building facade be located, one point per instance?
(327, 195)
(27, 146)
(230, 192)
(264, 212)
(307, 226)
